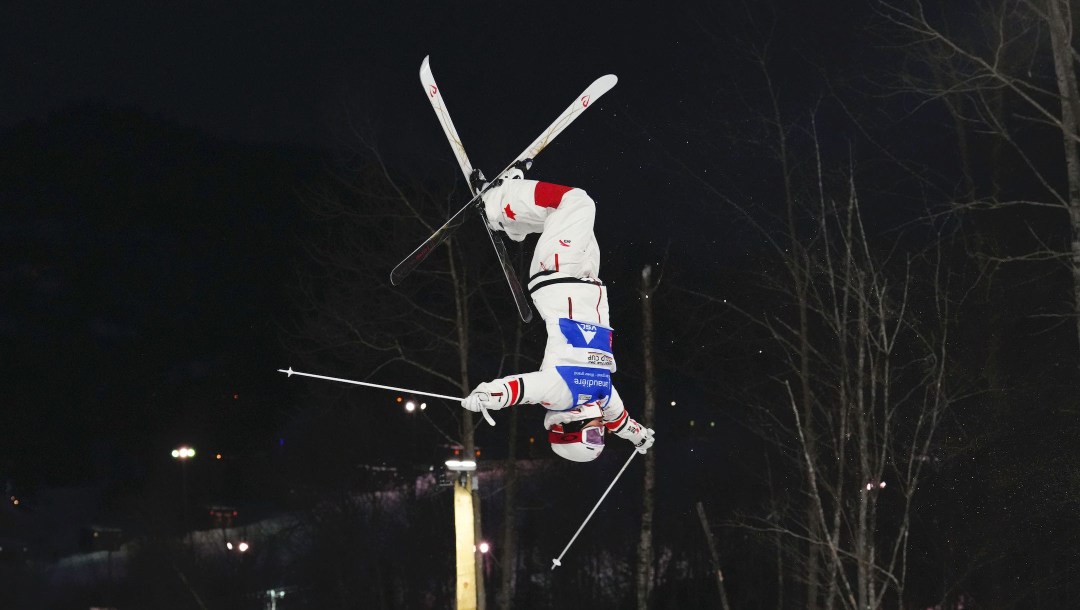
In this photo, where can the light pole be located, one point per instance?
(464, 533)
(183, 454)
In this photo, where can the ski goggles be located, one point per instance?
(592, 436)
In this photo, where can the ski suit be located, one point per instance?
(574, 380)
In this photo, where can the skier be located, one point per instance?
(574, 380)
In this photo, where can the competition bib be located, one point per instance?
(586, 336)
(586, 384)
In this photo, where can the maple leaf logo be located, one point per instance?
(510, 213)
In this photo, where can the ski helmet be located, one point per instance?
(576, 434)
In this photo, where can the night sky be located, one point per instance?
(156, 154)
(157, 160)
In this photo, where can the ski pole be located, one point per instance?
(558, 560)
(290, 373)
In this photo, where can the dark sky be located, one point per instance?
(291, 72)
(294, 72)
(100, 293)
(272, 71)
(152, 156)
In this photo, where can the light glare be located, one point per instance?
(461, 464)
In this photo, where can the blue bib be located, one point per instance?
(587, 336)
(586, 384)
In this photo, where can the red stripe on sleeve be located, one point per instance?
(548, 195)
(515, 392)
(614, 425)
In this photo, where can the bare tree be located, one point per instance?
(877, 374)
(645, 566)
(427, 330)
(857, 331)
(714, 556)
(508, 557)
(1006, 70)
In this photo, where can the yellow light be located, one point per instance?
(183, 453)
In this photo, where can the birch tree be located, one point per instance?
(853, 330)
(645, 568)
(873, 353)
(1006, 72)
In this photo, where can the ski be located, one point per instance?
(591, 93)
(427, 79)
(522, 302)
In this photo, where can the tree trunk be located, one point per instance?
(645, 552)
(713, 554)
(797, 265)
(1060, 26)
(481, 595)
(508, 549)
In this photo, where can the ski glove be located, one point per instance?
(477, 181)
(639, 435)
(517, 170)
(489, 395)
